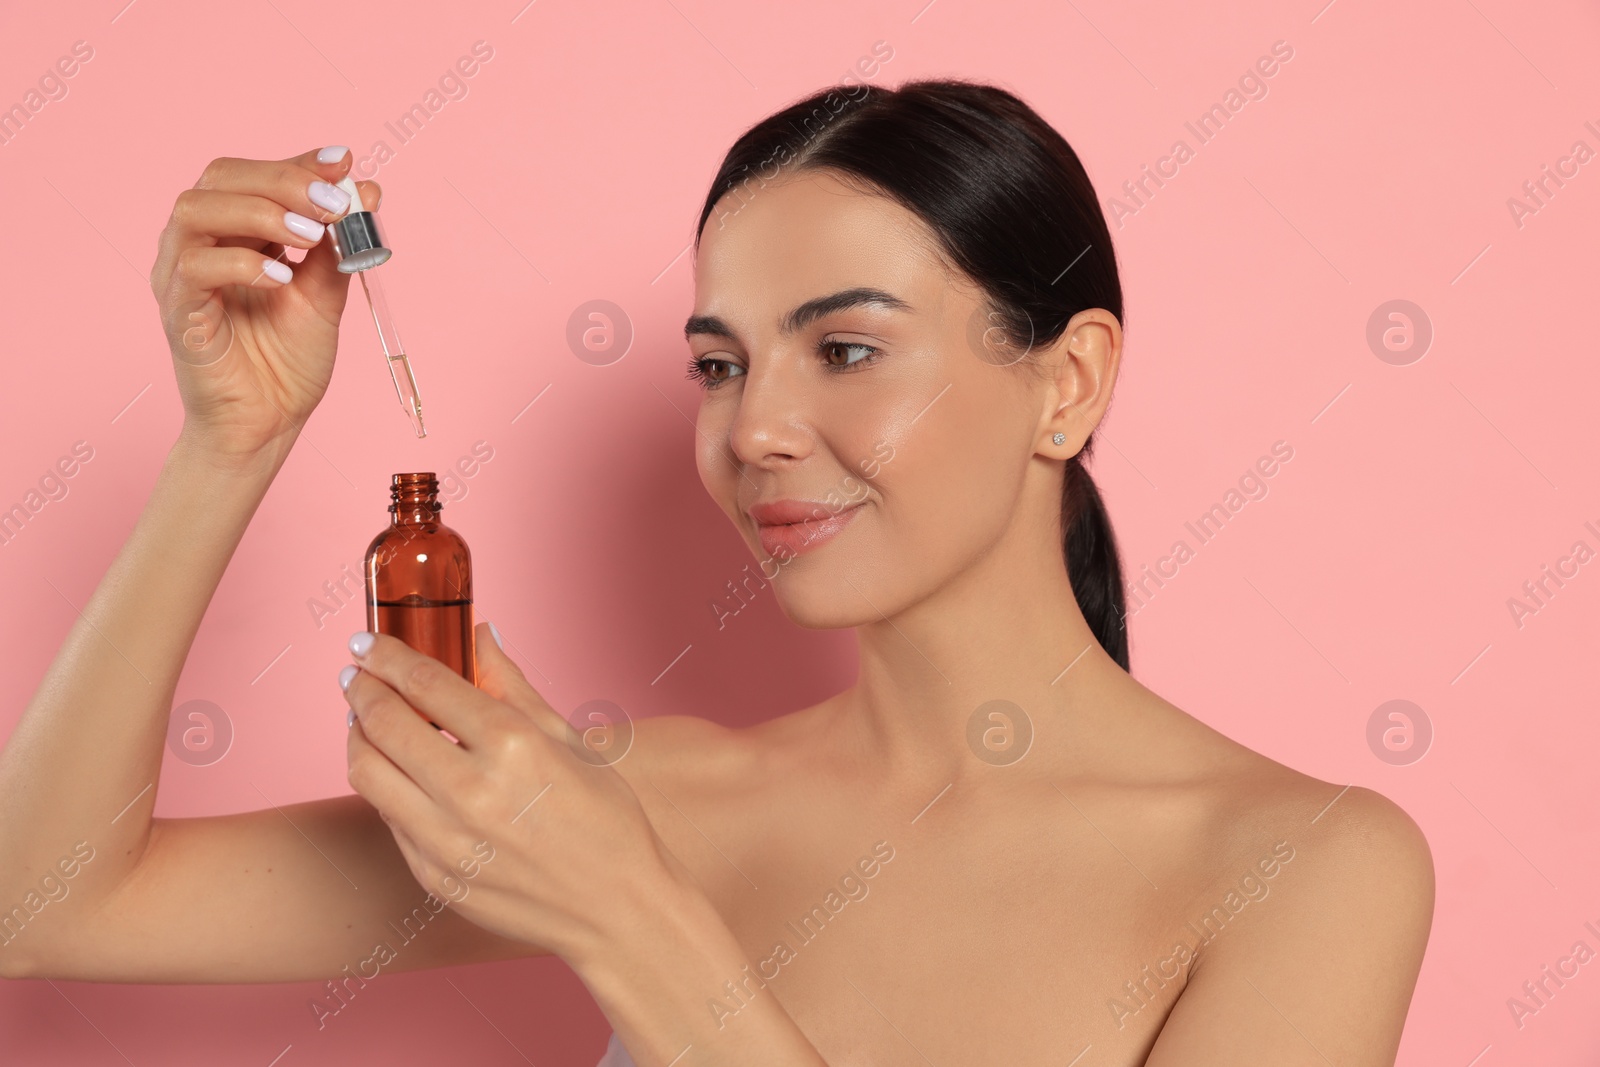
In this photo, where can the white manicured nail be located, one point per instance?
(301, 226)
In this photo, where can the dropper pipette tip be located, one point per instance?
(405, 381)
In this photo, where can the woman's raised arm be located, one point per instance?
(90, 886)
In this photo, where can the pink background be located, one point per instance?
(1420, 497)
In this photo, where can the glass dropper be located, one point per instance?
(405, 382)
(361, 248)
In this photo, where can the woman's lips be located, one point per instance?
(791, 527)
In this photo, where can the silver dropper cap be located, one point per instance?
(356, 238)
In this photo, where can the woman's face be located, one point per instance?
(875, 412)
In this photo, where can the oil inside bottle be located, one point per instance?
(443, 628)
(419, 578)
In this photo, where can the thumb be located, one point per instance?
(501, 678)
(318, 275)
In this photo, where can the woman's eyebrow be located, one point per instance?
(805, 314)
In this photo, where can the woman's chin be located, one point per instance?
(824, 602)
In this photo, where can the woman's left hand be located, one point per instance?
(523, 835)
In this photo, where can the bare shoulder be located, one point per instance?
(1327, 925)
(1365, 829)
(1362, 869)
(1243, 795)
(1224, 796)
(1373, 867)
(1357, 834)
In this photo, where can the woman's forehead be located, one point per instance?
(806, 220)
(810, 236)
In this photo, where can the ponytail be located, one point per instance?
(1092, 562)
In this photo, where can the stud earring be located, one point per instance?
(1059, 438)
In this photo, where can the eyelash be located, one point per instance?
(697, 365)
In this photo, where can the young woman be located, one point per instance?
(995, 847)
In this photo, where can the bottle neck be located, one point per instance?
(414, 498)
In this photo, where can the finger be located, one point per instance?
(268, 249)
(211, 216)
(501, 678)
(319, 276)
(254, 203)
(206, 269)
(428, 686)
(301, 185)
(437, 765)
(204, 221)
(410, 813)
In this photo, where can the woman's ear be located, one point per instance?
(1082, 366)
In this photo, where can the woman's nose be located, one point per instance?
(771, 424)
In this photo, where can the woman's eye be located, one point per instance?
(838, 353)
(711, 372)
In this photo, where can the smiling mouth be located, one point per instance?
(804, 534)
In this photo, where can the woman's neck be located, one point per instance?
(1007, 628)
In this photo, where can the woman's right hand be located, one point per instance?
(253, 353)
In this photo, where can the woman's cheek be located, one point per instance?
(717, 476)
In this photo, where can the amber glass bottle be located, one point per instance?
(419, 577)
